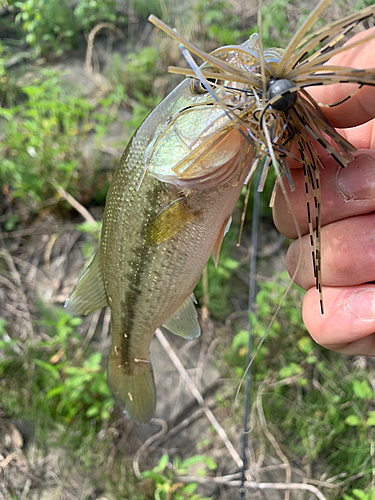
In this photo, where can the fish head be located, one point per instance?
(203, 141)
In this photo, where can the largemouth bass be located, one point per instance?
(172, 196)
(159, 230)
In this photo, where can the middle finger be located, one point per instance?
(348, 254)
(345, 192)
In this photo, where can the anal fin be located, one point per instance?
(184, 322)
(89, 293)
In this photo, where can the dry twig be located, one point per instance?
(272, 439)
(151, 440)
(193, 388)
(76, 204)
(227, 480)
(98, 79)
(105, 328)
(185, 423)
(91, 330)
(9, 458)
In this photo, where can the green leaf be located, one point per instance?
(196, 459)
(290, 370)
(230, 263)
(92, 411)
(158, 478)
(176, 462)
(163, 462)
(362, 389)
(306, 345)
(88, 227)
(353, 420)
(189, 488)
(371, 418)
(94, 360)
(75, 321)
(48, 367)
(6, 113)
(210, 462)
(55, 391)
(362, 495)
(240, 339)
(157, 494)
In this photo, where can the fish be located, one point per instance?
(171, 199)
(158, 232)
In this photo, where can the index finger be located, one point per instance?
(360, 107)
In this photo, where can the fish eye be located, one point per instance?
(197, 86)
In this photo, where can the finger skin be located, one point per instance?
(348, 235)
(360, 108)
(363, 136)
(354, 112)
(339, 329)
(348, 254)
(344, 193)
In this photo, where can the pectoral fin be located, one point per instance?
(169, 222)
(184, 322)
(89, 293)
(219, 240)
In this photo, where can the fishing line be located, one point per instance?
(251, 303)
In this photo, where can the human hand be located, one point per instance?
(348, 222)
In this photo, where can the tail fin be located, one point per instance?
(135, 391)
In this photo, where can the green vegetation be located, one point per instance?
(360, 495)
(218, 22)
(51, 26)
(318, 406)
(168, 485)
(64, 384)
(275, 25)
(90, 12)
(34, 163)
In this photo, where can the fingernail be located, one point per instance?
(361, 304)
(357, 180)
